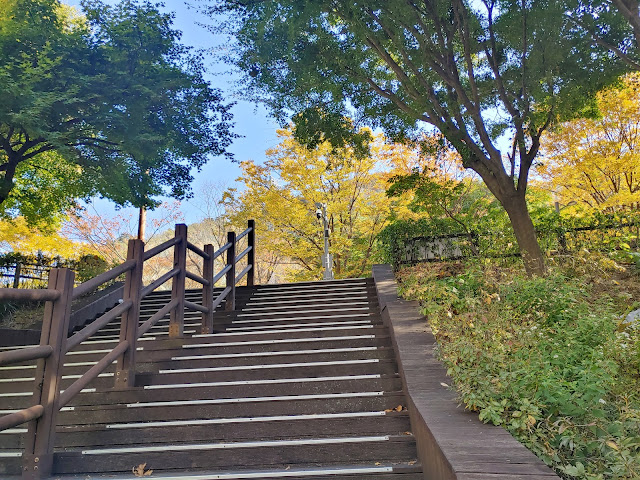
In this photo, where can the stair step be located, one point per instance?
(301, 383)
(271, 372)
(234, 429)
(231, 408)
(240, 429)
(325, 451)
(182, 391)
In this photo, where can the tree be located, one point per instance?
(479, 72)
(282, 194)
(108, 236)
(596, 162)
(611, 24)
(114, 93)
(45, 188)
(17, 235)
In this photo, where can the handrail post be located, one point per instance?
(230, 303)
(207, 290)
(126, 369)
(251, 256)
(176, 325)
(37, 460)
(16, 275)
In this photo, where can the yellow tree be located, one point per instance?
(281, 195)
(19, 236)
(596, 162)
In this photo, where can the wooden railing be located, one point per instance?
(54, 343)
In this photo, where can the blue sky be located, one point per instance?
(258, 130)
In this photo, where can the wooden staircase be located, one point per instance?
(300, 382)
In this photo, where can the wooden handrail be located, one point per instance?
(156, 283)
(161, 248)
(25, 354)
(195, 306)
(28, 295)
(243, 272)
(77, 386)
(144, 328)
(38, 457)
(195, 249)
(220, 298)
(79, 337)
(196, 278)
(95, 282)
(244, 234)
(22, 416)
(221, 250)
(221, 274)
(243, 253)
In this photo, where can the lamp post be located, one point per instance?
(327, 258)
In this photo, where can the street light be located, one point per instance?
(327, 258)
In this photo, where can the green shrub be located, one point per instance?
(544, 357)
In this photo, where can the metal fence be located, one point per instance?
(456, 246)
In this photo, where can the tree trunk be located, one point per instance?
(142, 223)
(532, 255)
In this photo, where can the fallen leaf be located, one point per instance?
(412, 462)
(139, 471)
(408, 433)
(377, 463)
(398, 408)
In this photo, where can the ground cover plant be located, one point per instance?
(550, 359)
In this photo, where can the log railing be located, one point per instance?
(54, 344)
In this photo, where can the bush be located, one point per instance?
(547, 358)
(88, 266)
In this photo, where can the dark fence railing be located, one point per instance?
(560, 240)
(22, 273)
(55, 342)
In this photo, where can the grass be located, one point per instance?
(547, 358)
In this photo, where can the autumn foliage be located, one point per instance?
(596, 162)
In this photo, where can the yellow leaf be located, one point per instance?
(612, 444)
(139, 471)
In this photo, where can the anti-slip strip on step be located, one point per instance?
(302, 312)
(269, 366)
(285, 302)
(354, 315)
(88, 342)
(303, 330)
(17, 367)
(296, 326)
(13, 430)
(222, 401)
(277, 340)
(88, 352)
(292, 472)
(219, 446)
(10, 454)
(263, 382)
(281, 398)
(333, 306)
(275, 354)
(64, 377)
(294, 320)
(224, 421)
(115, 338)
